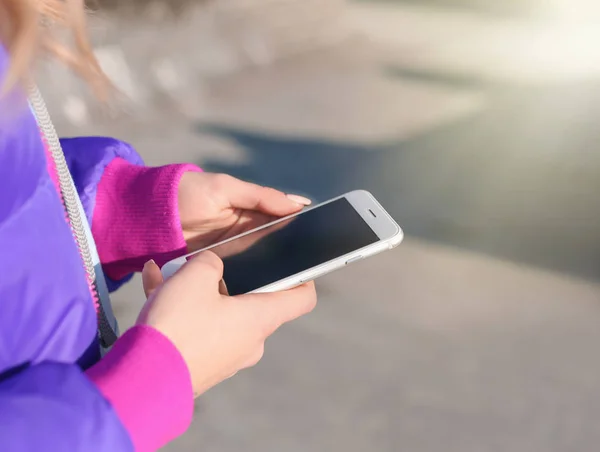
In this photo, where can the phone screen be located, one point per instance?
(292, 246)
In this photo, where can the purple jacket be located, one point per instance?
(53, 394)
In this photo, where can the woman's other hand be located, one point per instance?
(216, 334)
(214, 207)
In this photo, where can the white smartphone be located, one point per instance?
(304, 246)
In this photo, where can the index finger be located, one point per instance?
(276, 308)
(248, 196)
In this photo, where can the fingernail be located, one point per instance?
(151, 262)
(300, 200)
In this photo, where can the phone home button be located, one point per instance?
(354, 259)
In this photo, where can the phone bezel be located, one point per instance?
(381, 223)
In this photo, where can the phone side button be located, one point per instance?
(354, 259)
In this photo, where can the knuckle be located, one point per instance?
(268, 190)
(269, 327)
(307, 298)
(207, 262)
(221, 180)
(258, 355)
(266, 322)
(311, 303)
(213, 260)
(311, 297)
(271, 192)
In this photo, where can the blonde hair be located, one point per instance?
(32, 28)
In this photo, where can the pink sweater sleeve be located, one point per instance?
(136, 216)
(148, 384)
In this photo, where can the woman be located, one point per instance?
(77, 217)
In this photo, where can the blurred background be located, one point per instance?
(475, 122)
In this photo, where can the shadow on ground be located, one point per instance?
(519, 181)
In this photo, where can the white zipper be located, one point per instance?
(73, 208)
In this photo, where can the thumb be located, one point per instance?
(204, 267)
(151, 277)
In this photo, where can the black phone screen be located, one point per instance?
(289, 247)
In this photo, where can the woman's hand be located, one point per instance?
(214, 207)
(216, 334)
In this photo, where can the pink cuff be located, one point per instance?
(148, 384)
(136, 216)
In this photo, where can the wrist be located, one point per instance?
(136, 216)
(148, 383)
